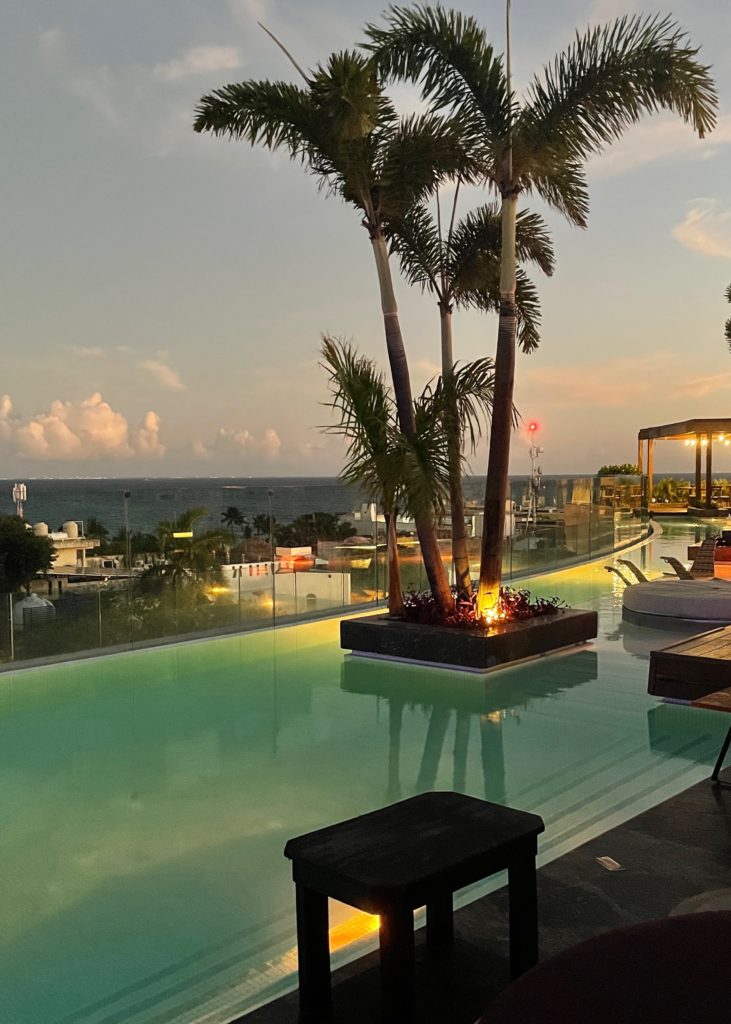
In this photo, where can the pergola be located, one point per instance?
(699, 434)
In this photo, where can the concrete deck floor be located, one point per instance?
(676, 858)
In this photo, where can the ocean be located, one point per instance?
(154, 499)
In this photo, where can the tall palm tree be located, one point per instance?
(400, 473)
(463, 269)
(583, 101)
(346, 131)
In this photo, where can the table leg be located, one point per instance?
(439, 922)
(397, 965)
(523, 913)
(313, 952)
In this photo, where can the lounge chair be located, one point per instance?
(702, 566)
(677, 566)
(634, 569)
(618, 572)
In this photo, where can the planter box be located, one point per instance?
(476, 650)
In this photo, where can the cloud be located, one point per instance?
(85, 429)
(199, 60)
(706, 228)
(86, 351)
(148, 437)
(662, 137)
(607, 10)
(163, 374)
(92, 83)
(250, 10)
(240, 442)
(638, 381)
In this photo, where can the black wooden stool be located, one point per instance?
(414, 853)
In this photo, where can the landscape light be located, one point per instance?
(186, 535)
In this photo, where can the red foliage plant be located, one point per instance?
(420, 607)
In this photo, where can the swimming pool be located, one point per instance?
(145, 797)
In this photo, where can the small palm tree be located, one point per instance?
(368, 422)
(584, 100)
(232, 517)
(463, 270)
(346, 131)
(400, 473)
(727, 328)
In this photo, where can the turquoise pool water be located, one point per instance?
(145, 798)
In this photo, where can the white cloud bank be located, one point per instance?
(660, 138)
(85, 430)
(199, 60)
(706, 228)
(240, 443)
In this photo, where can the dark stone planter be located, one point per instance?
(473, 650)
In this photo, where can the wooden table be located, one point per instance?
(697, 671)
(415, 853)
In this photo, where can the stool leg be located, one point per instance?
(397, 965)
(439, 922)
(523, 913)
(719, 763)
(313, 952)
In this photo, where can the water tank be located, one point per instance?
(41, 529)
(71, 529)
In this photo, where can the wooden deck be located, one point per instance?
(693, 669)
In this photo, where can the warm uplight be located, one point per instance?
(495, 614)
(354, 928)
(217, 589)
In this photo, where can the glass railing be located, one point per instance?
(295, 551)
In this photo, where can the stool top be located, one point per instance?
(413, 843)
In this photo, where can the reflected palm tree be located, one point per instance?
(440, 693)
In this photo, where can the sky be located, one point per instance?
(164, 293)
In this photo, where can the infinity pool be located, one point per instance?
(145, 798)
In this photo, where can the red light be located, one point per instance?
(532, 426)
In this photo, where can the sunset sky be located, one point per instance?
(164, 292)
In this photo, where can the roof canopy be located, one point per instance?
(685, 429)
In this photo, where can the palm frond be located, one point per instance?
(415, 240)
(607, 79)
(529, 312)
(474, 257)
(415, 157)
(727, 293)
(468, 390)
(367, 420)
(449, 54)
(727, 332)
(559, 182)
(274, 114)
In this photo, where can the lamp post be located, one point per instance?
(270, 495)
(128, 540)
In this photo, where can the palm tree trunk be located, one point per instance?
(395, 590)
(430, 553)
(460, 555)
(496, 485)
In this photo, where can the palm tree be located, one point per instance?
(727, 328)
(346, 131)
(463, 270)
(400, 473)
(584, 100)
(368, 422)
(232, 517)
